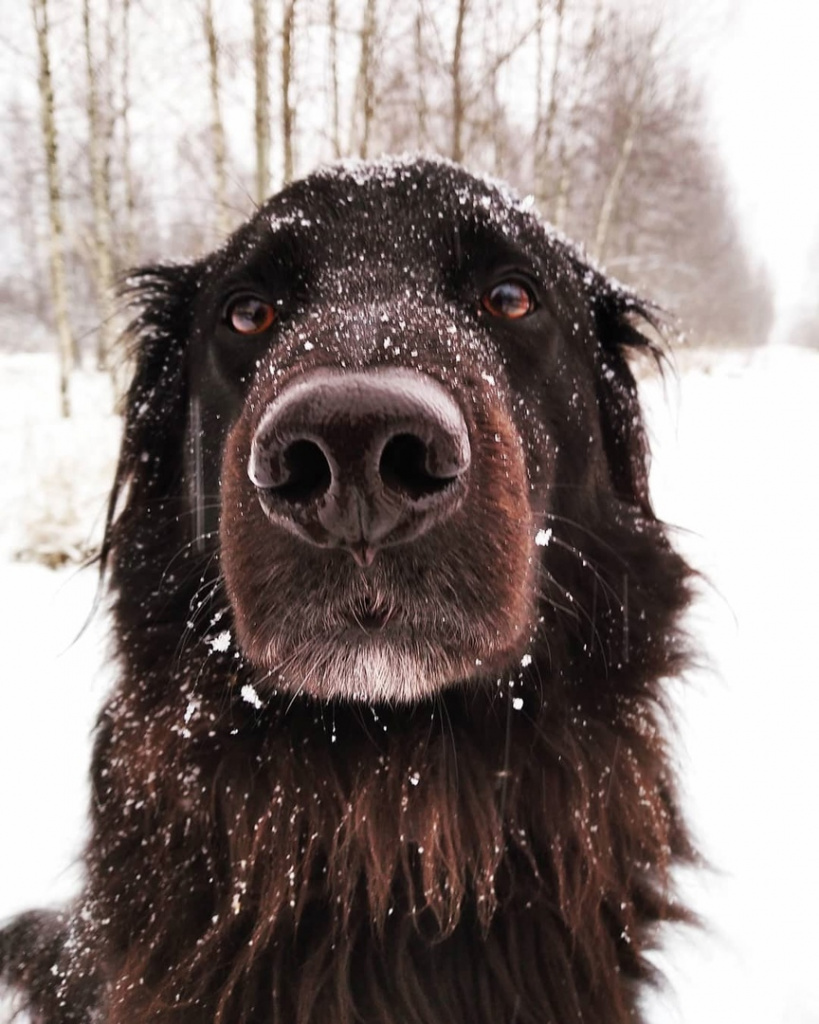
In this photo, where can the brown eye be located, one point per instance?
(248, 315)
(508, 299)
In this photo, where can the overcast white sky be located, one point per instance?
(763, 73)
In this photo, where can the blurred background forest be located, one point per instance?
(135, 131)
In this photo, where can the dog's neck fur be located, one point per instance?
(445, 822)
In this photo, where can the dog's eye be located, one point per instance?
(509, 299)
(249, 315)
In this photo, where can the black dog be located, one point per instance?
(392, 612)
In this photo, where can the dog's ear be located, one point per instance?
(623, 323)
(150, 463)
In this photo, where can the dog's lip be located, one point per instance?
(368, 622)
(358, 624)
(373, 620)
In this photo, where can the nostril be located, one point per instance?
(308, 474)
(403, 468)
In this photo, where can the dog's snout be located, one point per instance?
(361, 460)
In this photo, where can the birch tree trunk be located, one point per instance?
(217, 128)
(546, 124)
(644, 59)
(288, 111)
(335, 110)
(615, 184)
(100, 200)
(261, 53)
(67, 345)
(561, 207)
(129, 201)
(490, 102)
(580, 74)
(458, 111)
(421, 106)
(364, 108)
(540, 64)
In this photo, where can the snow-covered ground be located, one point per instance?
(736, 465)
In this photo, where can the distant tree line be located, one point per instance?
(135, 132)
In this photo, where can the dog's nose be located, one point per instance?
(361, 460)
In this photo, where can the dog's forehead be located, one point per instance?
(389, 207)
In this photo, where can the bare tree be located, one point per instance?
(364, 102)
(261, 59)
(98, 135)
(335, 106)
(217, 128)
(545, 122)
(615, 183)
(458, 101)
(288, 69)
(421, 103)
(479, 114)
(540, 66)
(493, 129)
(579, 81)
(67, 346)
(27, 283)
(644, 63)
(129, 198)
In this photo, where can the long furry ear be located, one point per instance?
(621, 318)
(150, 463)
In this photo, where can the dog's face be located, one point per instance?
(401, 383)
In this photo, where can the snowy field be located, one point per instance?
(736, 442)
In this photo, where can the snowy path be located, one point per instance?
(736, 462)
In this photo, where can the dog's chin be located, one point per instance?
(372, 669)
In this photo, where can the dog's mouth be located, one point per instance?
(369, 617)
(369, 623)
(397, 647)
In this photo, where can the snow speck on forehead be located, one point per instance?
(471, 191)
(395, 167)
(365, 172)
(295, 218)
